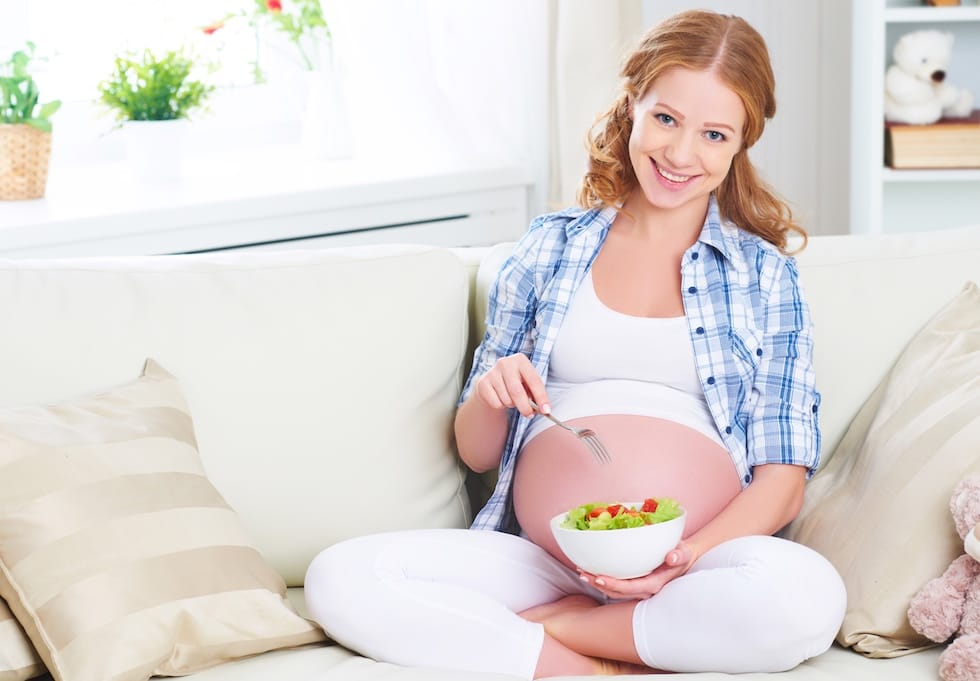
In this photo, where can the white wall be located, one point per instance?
(804, 151)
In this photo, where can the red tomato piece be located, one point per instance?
(649, 505)
(614, 509)
(595, 512)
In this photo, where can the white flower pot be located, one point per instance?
(154, 148)
(325, 131)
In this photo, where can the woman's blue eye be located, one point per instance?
(666, 119)
(715, 136)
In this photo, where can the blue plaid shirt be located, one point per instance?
(749, 325)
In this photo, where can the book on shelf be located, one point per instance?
(947, 143)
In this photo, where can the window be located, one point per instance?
(432, 77)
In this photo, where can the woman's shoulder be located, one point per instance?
(563, 221)
(549, 233)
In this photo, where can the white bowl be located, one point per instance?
(622, 554)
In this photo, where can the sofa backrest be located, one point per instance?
(322, 384)
(868, 295)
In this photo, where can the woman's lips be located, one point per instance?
(671, 180)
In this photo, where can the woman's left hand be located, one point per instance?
(677, 562)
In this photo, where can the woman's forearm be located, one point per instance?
(769, 503)
(481, 433)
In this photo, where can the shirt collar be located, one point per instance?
(590, 220)
(722, 235)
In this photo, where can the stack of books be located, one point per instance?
(947, 143)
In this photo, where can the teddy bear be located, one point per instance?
(916, 90)
(949, 605)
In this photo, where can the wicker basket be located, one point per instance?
(24, 155)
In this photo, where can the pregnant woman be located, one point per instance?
(665, 314)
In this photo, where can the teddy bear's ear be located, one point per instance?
(971, 543)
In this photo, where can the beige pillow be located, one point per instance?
(879, 511)
(117, 555)
(18, 660)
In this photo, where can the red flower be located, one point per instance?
(211, 28)
(273, 5)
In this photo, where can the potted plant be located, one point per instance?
(298, 30)
(152, 97)
(25, 130)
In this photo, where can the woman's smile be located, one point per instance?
(672, 180)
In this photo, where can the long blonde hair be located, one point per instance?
(737, 54)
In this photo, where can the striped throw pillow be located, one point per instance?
(117, 555)
(18, 661)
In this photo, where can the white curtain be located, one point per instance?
(438, 80)
(453, 81)
(590, 38)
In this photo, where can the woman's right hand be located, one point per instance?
(513, 382)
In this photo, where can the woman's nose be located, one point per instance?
(680, 152)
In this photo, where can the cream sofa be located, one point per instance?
(324, 381)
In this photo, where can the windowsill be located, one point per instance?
(271, 185)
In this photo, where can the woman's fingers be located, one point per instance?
(513, 382)
(674, 566)
(618, 588)
(680, 557)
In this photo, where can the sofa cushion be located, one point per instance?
(18, 659)
(321, 381)
(879, 509)
(336, 663)
(119, 557)
(868, 295)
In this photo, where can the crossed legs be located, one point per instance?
(486, 601)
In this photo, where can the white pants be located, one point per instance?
(448, 598)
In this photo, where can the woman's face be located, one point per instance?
(686, 130)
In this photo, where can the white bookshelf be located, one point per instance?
(888, 200)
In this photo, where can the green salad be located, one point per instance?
(617, 516)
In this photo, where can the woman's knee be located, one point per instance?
(805, 602)
(790, 601)
(336, 583)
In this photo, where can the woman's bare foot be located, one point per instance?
(557, 660)
(617, 668)
(543, 612)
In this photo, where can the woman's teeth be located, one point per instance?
(671, 176)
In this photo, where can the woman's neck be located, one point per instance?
(653, 223)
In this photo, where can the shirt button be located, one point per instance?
(699, 330)
(748, 478)
(759, 352)
(814, 409)
(694, 256)
(728, 430)
(711, 381)
(692, 290)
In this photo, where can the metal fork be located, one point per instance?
(586, 435)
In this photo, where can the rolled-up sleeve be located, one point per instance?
(783, 426)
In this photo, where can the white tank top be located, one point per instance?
(608, 362)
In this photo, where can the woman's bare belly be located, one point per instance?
(651, 457)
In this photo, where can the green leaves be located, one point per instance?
(305, 22)
(19, 94)
(144, 87)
